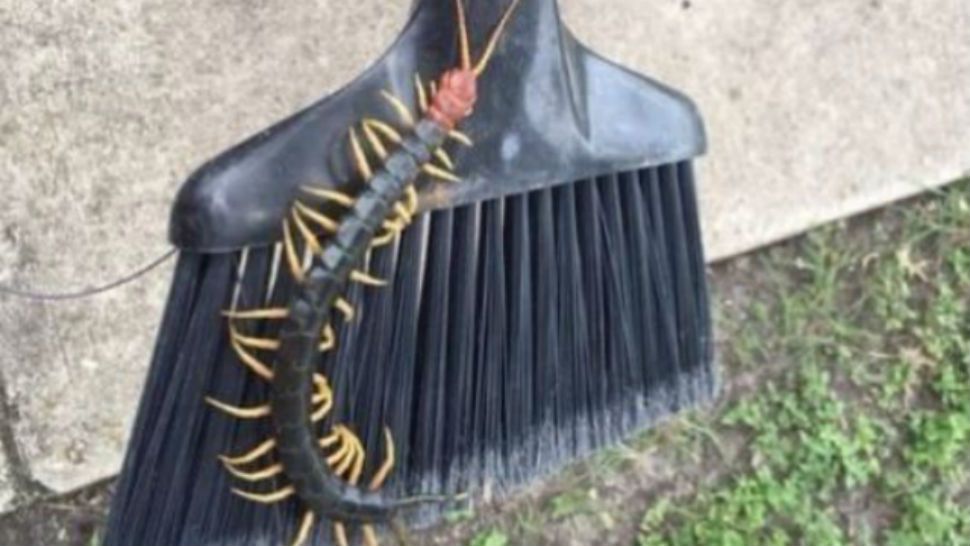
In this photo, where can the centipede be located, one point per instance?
(323, 252)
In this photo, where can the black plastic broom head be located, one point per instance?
(550, 112)
(551, 303)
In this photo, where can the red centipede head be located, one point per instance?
(458, 87)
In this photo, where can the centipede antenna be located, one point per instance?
(496, 36)
(463, 39)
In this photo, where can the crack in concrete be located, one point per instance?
(25, 486)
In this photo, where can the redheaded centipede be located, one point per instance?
(328, 485)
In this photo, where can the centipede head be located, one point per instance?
(458, 87)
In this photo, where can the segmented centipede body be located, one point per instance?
(312, 478)
(327, 485)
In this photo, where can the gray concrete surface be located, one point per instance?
(816, 110)
(6, 487)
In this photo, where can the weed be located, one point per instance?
(868, 418)
(490, 538)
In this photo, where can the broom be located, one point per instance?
(551, 303)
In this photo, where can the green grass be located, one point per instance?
(860, 434)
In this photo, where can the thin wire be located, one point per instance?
(87, 292)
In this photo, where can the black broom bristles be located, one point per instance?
(515, 335)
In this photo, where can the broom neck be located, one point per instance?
(531, 18)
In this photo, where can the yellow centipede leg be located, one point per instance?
(321, 413)
(403, 213)
(399, 107)
(422, 95)
(396, 225)
(254, 364)
(267, 498)
(329, 339)
(370, 536)
(278, 313)
(257, 476)
(346, 309)
(385, 470)
(389, 132)
(461, 138)
(358, 469)
(383, 240)
(330, 195)
(312, 241)
(360, 159)
(411, 196)
(375, 141)
(323, 393)
(253, 455)
(445, 159)
(292, 258)
(347, 462)
(266, 344)
(257, 412)
(439, 173)
(330, 441)
(305, 527)
(345, 449)
(340, 534)
(367, 280)
(328, 224)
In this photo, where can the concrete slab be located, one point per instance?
(6, 487)
(816, 110)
